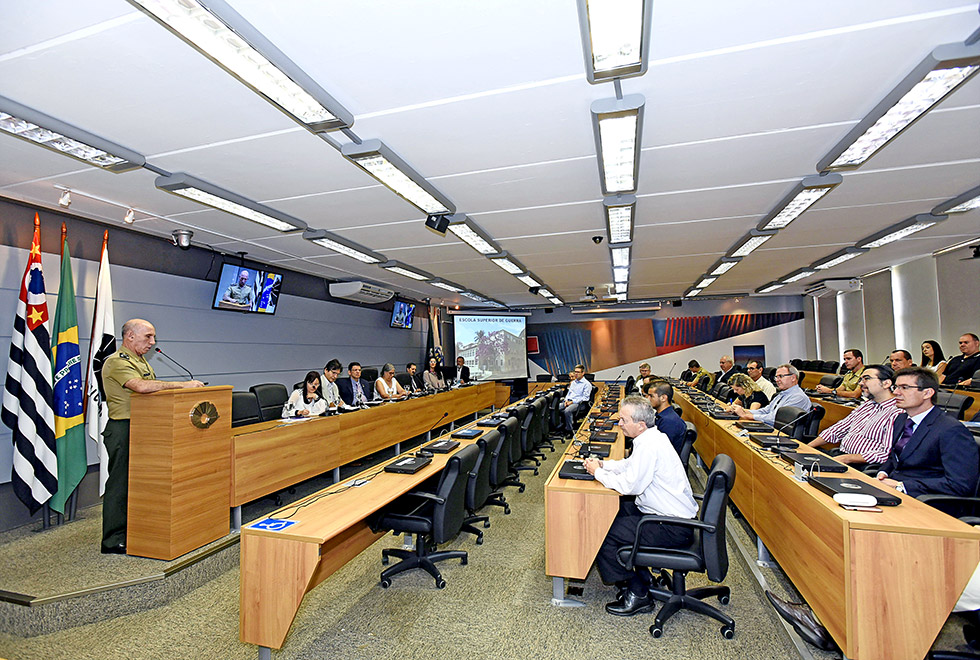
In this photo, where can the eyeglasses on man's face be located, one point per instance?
(906, 388)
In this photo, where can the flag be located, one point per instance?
(27, 396)
(69, 431)
(434, 343)
(103, 345)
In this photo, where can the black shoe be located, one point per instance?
(119, 549)
(800, 616)
(630, 604)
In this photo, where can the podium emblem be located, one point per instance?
(204, 415)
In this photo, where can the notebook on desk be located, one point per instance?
(773, 441)
(834, 485)
(754, 426)
(602, 451)
(722, 415)
(823, 463)
(491, 422)
(575, 470)
(466, 434)
(603, 437)
(408, 464)
(441, 446)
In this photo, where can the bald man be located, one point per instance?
(124, 372)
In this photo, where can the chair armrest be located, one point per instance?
(670, 520)
(952, 504)
(427, 496)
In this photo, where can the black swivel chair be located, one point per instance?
(725, 393)
(403, 379)
(703, 382)
(244, 409)
(528, 437)
(271, 397)
(499, 473)
(511, 430)
(630, 384)
(791, 421)
(831, 366)
(706, 553)
(677, 409)
(769, 373)
(478, 490)
(434, 517)
(832, 381)
(690, 436)
(813, 420)
(540, 410)
(954, 404)
(370, 374)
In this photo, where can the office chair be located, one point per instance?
(831, 366)
(831, 381)
(497, 455)
(769, 373)
(370, 374)
(725, 393)
(707, 553)
(791, 421)
(954, 404)
(529, 432)
(540, 410)
(542, 378)
(403, 379)
(244, 409)
(511, 430)
(630, 384)
(703, 383)
(690, 437)
(434, 517)
(554, 414)
(813, 420)
(478, 490)
(677, 409)
(796, 362)
(271, 398)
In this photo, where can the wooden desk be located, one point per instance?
(578, 515)
(883, 584)
(270, 456)
(278, 568)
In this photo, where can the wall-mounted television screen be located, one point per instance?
(243, 289)
(402, 315)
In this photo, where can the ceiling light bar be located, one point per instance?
(407, 271)
(839, 257)
(478, 297)
(508, 263)
(724, 265)
(945, 69)
(621, 287)
(383, 164)
(617, 125)
(804, 195)
(621, 274)
(619, 211)
(529, 280)
(961, 203)
(769, 288)
(546, 293)
(798, 275)
(343, 246)
(752, 241)
(615, 38)
(620, 255)
(690, 293)
(899, 231)
(470, 233)
(219, 33)
(38, 128)
(448, 286)
(205, 193)
(705, 282)
(555, 301)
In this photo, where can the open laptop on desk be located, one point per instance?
(834, 485)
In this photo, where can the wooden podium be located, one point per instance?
(179, 470)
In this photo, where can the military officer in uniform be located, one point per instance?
(124, 372)
(240, 293)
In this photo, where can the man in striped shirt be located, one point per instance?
(865, 436)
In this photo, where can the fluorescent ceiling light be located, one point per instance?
(205, 193)
(769, 288)
(705, 282)
(448, 286)
(901, 230)
(724, 265)
(41, 129)
(470, 233)
(620, 297)
(804, 195)
(621, 274)
(621, 287)
(376, 159)
(799, 275)
(402, 269)
(752, 241)
(224, 37)
(620, 256)
(546, 293)
(941, 72)
(555, 301)
(529, 280)
(508, 263)
(473, 295)
(692, 292)
(343, 246)
(619, 211)
(961, 203)
(617, 125)
(839, 257)
(615, 37)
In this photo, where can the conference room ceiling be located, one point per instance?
(490, 102)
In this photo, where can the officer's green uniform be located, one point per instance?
(852, 379)
(243, 295)
(119, 368)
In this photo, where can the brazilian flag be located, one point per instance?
(69, 423)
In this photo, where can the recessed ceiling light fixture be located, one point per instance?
(508, 263)
(617, 125)
(751, 242)
(723, 265)
(961, 203)
(619, 211)
(343, 246)
(804, 195)
(448, 286)
(798, 275)
(769, 288)
(406, 271)
(383, 164)
(615, 38)
(900, 230)
(470, 233)
(839, 257)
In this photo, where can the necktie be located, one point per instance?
(907, 432)
(358, 393)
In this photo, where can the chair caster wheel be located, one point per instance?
(486, 524)
(464, 561)
(384, 561)
(479, 540)
(535, 472)
(440, 584)
(656, 631)
(728, 632)
(385, 584)
(506, 510)
(724, 600)
(521, 489)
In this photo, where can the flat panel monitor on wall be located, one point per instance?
(493, 345)
(242, 289)
(402, 314)
(743, 354)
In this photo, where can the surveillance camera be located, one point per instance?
(597, 239)
(534, 290)
(182, 238)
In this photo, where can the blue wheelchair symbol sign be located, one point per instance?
(273, 524)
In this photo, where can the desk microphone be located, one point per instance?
(177, 363)
(949, 397)
(444, 416)
(616, 382)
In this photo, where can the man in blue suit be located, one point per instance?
(932, 452)
(354, 390)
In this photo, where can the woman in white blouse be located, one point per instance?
(386, 386)
(306, 400)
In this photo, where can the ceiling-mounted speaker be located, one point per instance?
(437, 223)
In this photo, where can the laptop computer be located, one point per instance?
(575, 470)
(722, 415)
(602, 451)
(823, 463)
(491, 422)
(408, 464)
(603, 437)
(754, 426)
(773, 441)
(834, 485)
(441, 446)
(466, 434)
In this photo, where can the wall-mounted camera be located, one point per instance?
(597, 239)
(182, 238)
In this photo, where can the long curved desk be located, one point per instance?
(883, 584)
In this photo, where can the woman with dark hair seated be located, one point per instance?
(932, 357)
(306, 400)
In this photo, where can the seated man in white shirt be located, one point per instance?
(579, 390)
(754, 370)
(654, 474)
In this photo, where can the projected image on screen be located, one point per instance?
(494, 347)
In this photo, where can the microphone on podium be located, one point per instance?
(191, 376)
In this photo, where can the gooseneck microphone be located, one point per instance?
(175, 362)
(671, 369)
(444, 416)
(616, 382)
